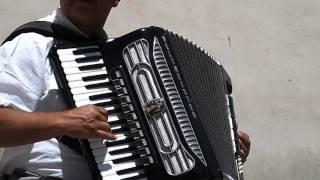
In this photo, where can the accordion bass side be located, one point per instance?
(168, 101)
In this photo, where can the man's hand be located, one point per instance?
(245, 144)
(87, 121)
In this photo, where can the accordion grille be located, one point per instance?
(205, 81)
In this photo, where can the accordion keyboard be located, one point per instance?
(90, 83)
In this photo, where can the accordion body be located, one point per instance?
(168, 101)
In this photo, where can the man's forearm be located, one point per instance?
(19, 127)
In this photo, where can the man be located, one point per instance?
(32, 111)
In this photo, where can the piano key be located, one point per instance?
(72, 57)
(83, 90)
(136, 154)
(102, 101)
(91, 67)
(69, 51)
(74, 64)
(88, 76)
(128, 176)
(106, 171)
(107, 157)
(95, 77)
(95, 96)
(85, 50)
(76, 70)
(121, 135)
(75, 84)
(115, 117)
(139, 143)
(99, 85)
(117, 126)
(126, 171)
(108, 168)
(119, 141)
(120, 121)
(114, 109)
(98, 144)
(106, 103)
(88, 59)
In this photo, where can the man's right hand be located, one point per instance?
(87, 121)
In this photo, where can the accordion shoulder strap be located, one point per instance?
(47, 29)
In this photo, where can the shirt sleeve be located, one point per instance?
(23, 71)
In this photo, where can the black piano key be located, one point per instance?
(133, 125)
(136, 134)
(91, 67)
(126, 171)
(88, 59)
(115, 143)
(99, 85)
(115, 111)
(120, 121)
(107, 103)
(103, 96)
(84, 51)
(95, 77)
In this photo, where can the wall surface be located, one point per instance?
(269, 48)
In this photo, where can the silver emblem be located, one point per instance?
(154, 107)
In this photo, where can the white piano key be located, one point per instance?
(99, 151)
(123, 176)
(85, 97)
(70, 64)
(83, 90)
(76, 70)
(97, 144)
(106, 158)
(118, 147)
(109, 168)
(76, 84)
(78, 77)
(86, 102)
(114, 117)
(120, 137)
(115, 127)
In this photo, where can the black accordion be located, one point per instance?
(169, 104)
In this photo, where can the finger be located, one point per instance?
(244, 137)
(104, 126)
(102, 110)
(105, 135)
(243, 149)
(243, 156)
(245, 140)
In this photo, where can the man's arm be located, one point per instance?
(18, 127)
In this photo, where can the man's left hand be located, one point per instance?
(245, 144)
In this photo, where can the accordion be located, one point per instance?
(169, 104)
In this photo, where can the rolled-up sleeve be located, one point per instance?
(23, 71)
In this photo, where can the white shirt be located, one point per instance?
(28, 83)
